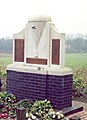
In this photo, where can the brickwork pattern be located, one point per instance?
(26, 85)
(58, 89)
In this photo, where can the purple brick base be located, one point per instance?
(57, 89)
(60, 91)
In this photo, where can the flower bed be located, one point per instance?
(7, 108)
(38, 110)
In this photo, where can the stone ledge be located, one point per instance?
(40, 69)
(71, 110)
(26, 68)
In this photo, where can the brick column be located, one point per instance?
(60, 90)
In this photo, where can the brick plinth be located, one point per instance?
(26, 85)
(57, 89)
(60, 91)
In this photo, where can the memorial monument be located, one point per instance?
(38, 70)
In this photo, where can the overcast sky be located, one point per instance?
(69, 16)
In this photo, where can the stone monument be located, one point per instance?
(38, 70)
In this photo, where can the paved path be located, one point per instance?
(82, 114)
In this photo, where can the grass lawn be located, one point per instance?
(5, 59)
(76, 60)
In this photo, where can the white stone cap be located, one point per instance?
(40, 18)
(59, 71)
(26, 68)
(40, 70)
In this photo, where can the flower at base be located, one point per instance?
(27, 115)
(33, 117)
(29, 118)
(54, 116)
(61, 115)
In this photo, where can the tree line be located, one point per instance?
(6, 45)
(72, 45)
(78, 45)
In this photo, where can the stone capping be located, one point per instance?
(59, 71)
(26, 68)
(39, 70)
(39, 18)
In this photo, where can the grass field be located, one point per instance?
(5, 59)
(78, 60)
(72, 60)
